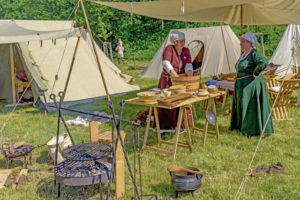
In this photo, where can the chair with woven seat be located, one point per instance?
(284, 93)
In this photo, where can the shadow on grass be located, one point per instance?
(43, 158)
(47, 189)
(163, 190)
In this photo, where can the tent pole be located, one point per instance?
(72, 63)
(225, 49)
(295, 54)
(242, 14)
(12, 70)
(94, 48)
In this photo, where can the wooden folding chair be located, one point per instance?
(279, 111)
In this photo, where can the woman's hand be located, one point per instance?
(173, 73)
(189, 73)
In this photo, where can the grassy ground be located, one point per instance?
(224, 159)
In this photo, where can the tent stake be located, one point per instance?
(94, 48)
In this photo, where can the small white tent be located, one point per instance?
(221, 51)
(47, 58)
(287, 53)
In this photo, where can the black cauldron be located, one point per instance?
(185, 182)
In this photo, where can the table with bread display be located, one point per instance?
(181, 97)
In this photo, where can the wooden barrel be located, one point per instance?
(192, 82)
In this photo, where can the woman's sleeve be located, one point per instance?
(261, 63)
(167, 57)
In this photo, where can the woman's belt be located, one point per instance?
(243, 77)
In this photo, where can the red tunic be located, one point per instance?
(170, 55)
(168, 118)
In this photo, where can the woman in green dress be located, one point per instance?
(250, 107)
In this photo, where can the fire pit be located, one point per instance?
(87, 151)
(78, 173)
(16, 154)
(85, 164)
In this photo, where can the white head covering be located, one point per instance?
(176, 35)
(251, 38)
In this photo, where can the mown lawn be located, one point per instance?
(225, 159)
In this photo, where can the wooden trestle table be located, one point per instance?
(153, 106)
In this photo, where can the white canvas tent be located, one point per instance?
(45, 60)
(221, 51)
(287, 53)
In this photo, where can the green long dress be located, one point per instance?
(251, 107)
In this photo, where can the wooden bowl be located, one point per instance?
(202, 93)
(148, 96)
(176, 89)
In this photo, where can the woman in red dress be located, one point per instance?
(176, 60)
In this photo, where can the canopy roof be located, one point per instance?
(255, 12)
(10, 32)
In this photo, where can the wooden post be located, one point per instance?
(262, 44)
(95, 51)
(12, 72)
(120, 162)
(242, 20)
(94, 136)
(110, 50)
(72, 63)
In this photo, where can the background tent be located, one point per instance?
(287, 53)
(221, 51)
(254, 12)
(45, 61)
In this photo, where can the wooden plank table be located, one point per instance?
(153, 106)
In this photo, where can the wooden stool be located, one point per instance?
(120, 163)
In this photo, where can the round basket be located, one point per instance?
(192, 82)
(212, 89)
(148, 96)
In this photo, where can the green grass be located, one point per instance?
(225, 159)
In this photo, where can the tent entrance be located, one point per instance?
(13, 80)
(196, 48)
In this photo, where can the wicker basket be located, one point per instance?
(148, 96)
(192, 82)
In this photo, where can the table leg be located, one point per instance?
(147, 128)
(186, 123)
(224, 99)
(193, 110)
(157, 125)
(179, 121)
(213, 105)
(205, 132)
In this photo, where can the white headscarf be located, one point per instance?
(175, 36)
(251, 38)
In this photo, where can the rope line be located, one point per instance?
(65, 47)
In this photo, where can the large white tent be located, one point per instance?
(45, 55)
(221, 51)
(287, 53)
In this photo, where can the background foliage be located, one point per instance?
(142, 36)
